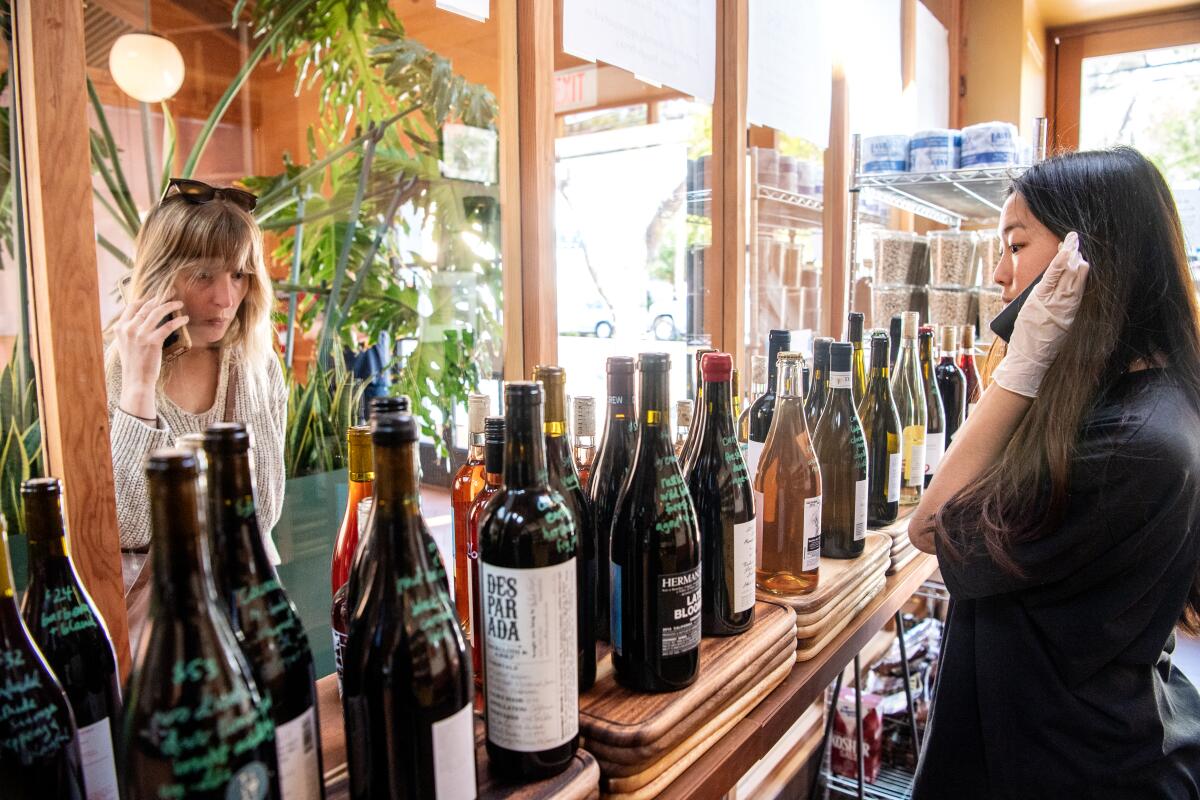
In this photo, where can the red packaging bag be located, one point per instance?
(842, 742)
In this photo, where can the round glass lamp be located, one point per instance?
(148, 68)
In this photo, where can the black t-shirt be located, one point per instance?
(1059, 682)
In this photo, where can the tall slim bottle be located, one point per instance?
(63, 621)
(39, 749)
(762, 412)
(408, 709)
(560, 465)
(758, 386)
(935, 412)
(468, 482)
(908, 390)
(527, 553)
(842, 454)
(966, 362)
(858, 362)
(611, 469)
(881, 427)
(814, 402)
(789, 481)
(191, 697)
(952, 383)
(493, 477)
(585, 437)
(656, 594)
(719, 485)
(361, 483)
(263, 617)
(894, 336)
(695, 429)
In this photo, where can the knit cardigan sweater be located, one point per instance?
(260, 402)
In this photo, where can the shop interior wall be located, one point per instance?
(1004, 71)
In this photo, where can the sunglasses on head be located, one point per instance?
(199, 193)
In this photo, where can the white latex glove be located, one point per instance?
(1044, 321)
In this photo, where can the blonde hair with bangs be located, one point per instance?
(181, 237)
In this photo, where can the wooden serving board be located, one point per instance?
(903, 560)
(870, 574)
(808, 649)
(620, 761)
(900, 526)
(613, 715)
(656, 778)
(836, 576)
(843, 607)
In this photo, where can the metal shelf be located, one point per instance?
(892, 784)
(793, 210)
(952, 197)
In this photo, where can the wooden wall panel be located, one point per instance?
(836, 222)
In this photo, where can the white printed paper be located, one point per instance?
(454, 755)
(99, 766)
(860, 510)
(745, 559)
(812, 533)
(296, 744)
(895, 463)
(790, 67)
(935, 448)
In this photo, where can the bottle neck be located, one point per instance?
(880, 369)
(926, 348)
(656, 417)
(476, 448)
(397, 505)
(555, 425)
(237, 546)
(718, 409)
(620, 397)
(773, 367)
(8, 592)
(525, 448)
(45, 529)
(359, 457)
(493, 460)
(178, 547)
(906, 360)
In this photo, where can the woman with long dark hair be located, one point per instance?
(1066, 517)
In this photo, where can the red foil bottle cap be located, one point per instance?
(716, 367)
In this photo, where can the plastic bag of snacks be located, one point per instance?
(843, 756)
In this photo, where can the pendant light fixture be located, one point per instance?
(147, 67)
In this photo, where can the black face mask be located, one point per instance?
(1003, 323)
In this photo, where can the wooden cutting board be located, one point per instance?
(836, 576)
(614, 715)
(903, 560)
(659, 776)
(842, 608)
(900, 526)
(618, 761)
(808, 649)
(875, 572)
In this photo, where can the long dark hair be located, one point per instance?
(1139, 303)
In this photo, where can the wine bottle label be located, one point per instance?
(339, 650)
(679, 611)
(745, 540)
(840, 380)
(895, 464)
(296, 743)
(860, 510)
(531, 655)
(454, 755)
(614, 606)
(914, 455)
(935, 448)
(812, 533)
(99, 766)
(32, 729)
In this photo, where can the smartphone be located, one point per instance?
(1004, 322)
(175, 345)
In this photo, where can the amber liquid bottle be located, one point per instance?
(814, 401)
(909, 393)
(527, 555)
(560, 465)
(789, 480)
(656, 598)
(761, 414)
(585, 438)
(493, 482)
(935, 411)
(608, 476)
(39, 750)
(408, 688)
(966, 362)
(263, 617)
(191, 699)
(952, 383)
(719, 485)
(362, 481)
(63, 621)
(468, 482)
(858, 362)
(881, 427)
(842, 453)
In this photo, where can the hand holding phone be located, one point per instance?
(177, 341)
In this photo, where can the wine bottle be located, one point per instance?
(561, 468)
(195, 725)
(585, 438)
(468, 482)
(408, 689)
(814, 401)
(966, 362)
(696, 422)
(656, 595)
(952, 383)
(39, 749)
(789, 481)
(527, 554)
(907, 389)
(611, 469)
(735, 386)
(493, 482)
(683, 425)
(263, 618)
(71, 634)
(858, 366)
(758, 386)
(881, 427)
(935, 412)
(361, 483)
(894, 337)
(719, 486)
(842, 454)
(762, 412)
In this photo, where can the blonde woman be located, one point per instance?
(200, 262)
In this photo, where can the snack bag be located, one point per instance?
(842, 744)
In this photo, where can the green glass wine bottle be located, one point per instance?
(881, 427)
(842, 452)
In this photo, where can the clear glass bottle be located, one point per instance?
(585, 438)
(909, 393)
(935, 411)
